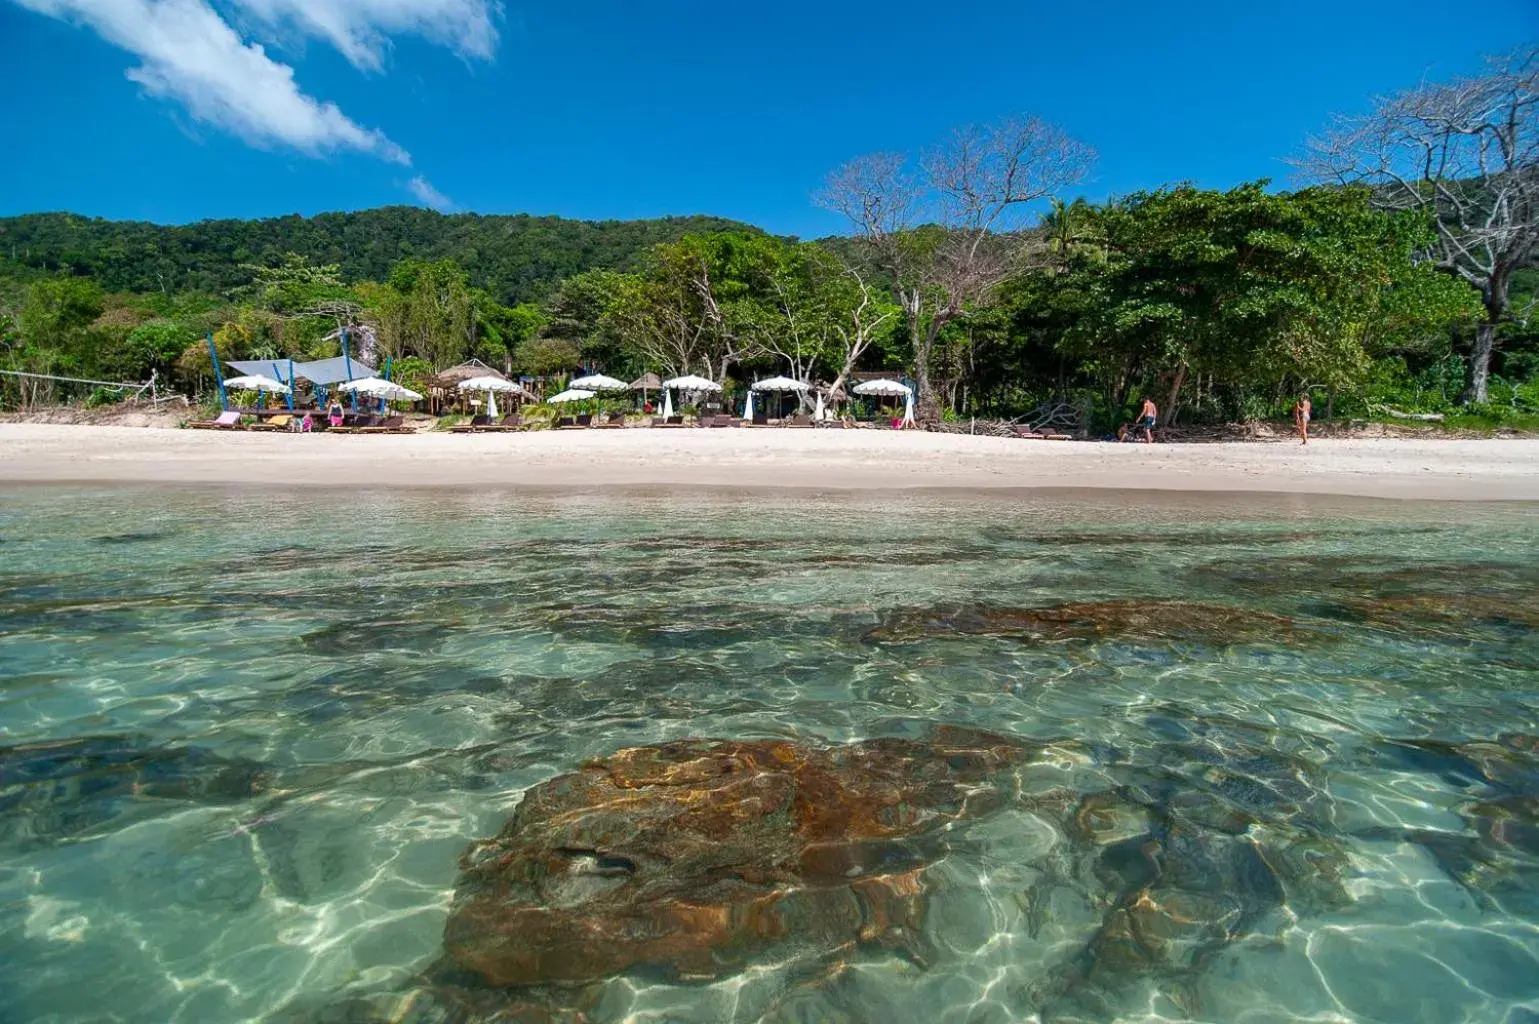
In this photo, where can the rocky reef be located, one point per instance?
(1137, 621)
(693, 858)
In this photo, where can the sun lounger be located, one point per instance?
(585, 420)
(476, 423)
(761, 419)
(614, 421)
(388, 425)
(277, 423)
(224, 421)
(799, 422)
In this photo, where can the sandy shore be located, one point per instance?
(769, 458)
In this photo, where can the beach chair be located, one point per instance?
(585, 419)
(614, 421)
(277, 423)
(1025, 433)
(224, 421)
(761, 419)
(388, 425)
(565, 423)
(512, 421)
(800, 422)
(476, 423)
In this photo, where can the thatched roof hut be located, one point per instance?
(450, 379)
(649, 382)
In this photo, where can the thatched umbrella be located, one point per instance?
(646, 382)
(446, 384)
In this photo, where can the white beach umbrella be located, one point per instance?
(570, 395)
(778, 384)
(887, 388)
(692, 383)
(748, 407)
(491, 405)
(491, 384)
(256, 382)
(667, 403)
(378, 387)
(820, 413)
(599, 382)
(908, 410)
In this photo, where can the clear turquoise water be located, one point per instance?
(244, 738)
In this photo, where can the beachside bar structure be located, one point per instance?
(323, 373)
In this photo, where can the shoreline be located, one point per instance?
(779, 460)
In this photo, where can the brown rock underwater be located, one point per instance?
(694, 857)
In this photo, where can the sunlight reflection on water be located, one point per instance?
(244, 738)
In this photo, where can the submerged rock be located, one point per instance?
(1148, 621)
(61, 788)
(692, 858)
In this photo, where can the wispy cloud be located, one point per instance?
(428, 195)
(361, 29)
(192, 55)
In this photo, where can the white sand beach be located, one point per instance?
(765, 458)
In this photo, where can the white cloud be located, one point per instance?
(428, 195)
(360, 29)
(191, 54)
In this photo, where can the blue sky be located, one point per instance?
(180, 110)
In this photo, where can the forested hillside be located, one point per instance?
(515, 258)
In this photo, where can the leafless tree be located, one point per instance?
(1466, 152)
(676, 321)
(855, 333)
(948, 233)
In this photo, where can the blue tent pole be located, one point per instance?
(387, 377)
(347, 365)
(289, 398)
(224, 400)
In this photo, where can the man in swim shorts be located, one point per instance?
(1146, 417)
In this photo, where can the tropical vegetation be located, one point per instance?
(1374, 288)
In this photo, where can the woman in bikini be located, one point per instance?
(1301, 410)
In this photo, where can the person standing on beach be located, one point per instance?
(1146, 419)
(1301, 411)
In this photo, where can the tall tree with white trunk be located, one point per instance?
(1466, 153)
(948, 231)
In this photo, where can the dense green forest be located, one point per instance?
(1373, 290)
(514, 258)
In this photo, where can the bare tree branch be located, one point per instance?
(949, 235)
(1465, 153)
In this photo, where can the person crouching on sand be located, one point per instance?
(1301, 411)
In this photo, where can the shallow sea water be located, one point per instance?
(245, 737)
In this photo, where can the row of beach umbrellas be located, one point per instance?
(584, 388)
